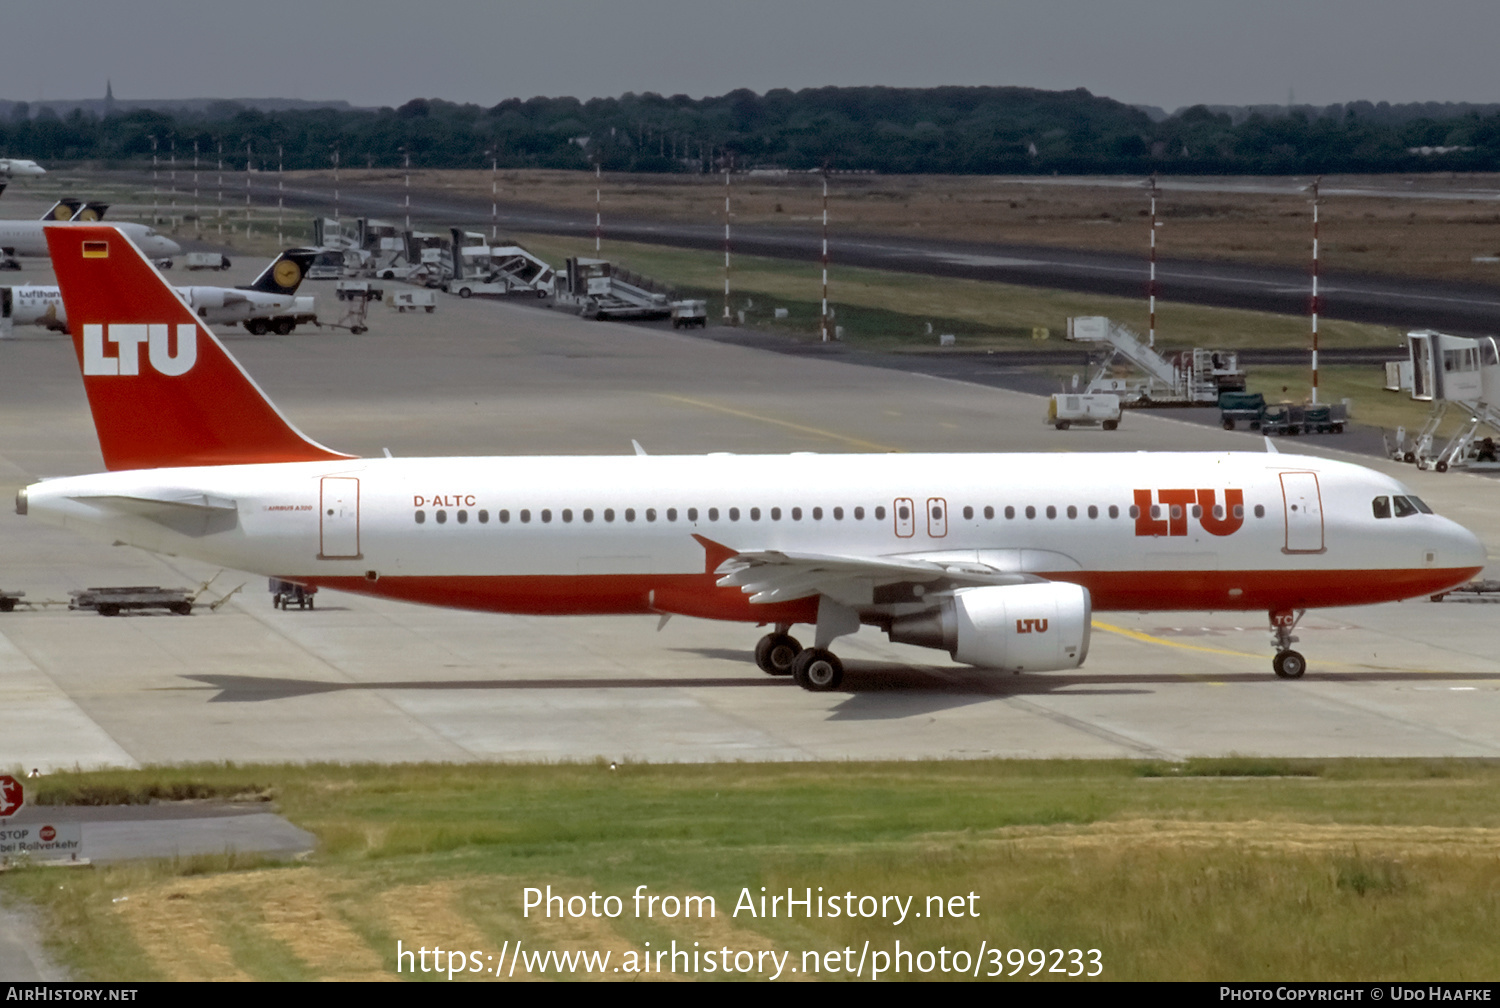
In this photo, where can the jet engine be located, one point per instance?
(1026, 627)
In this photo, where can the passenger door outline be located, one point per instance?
(1302, 505)
(338, 518)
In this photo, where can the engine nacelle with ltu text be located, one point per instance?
(1017, 628)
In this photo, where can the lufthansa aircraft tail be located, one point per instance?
(163, 390)
(285, 274)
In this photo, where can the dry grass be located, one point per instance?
(1193, 871)
(1372, 234)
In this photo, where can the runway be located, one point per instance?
(1378, 299)
(357, 679)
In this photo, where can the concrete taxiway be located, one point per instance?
(359, 679)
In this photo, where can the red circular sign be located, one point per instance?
(11, 795)
(47, 833)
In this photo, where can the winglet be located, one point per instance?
(164, 391)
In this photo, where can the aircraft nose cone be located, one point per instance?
(169, 247)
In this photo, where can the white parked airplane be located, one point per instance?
(997, 559)
(28, 238)
(268, 303)
(19, 167)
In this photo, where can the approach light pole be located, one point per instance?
(494, 156)
(219, 217)
(598, 208)
(826, 332)
(728, 171)
(406, 160)
(248, 164)
(155, 189)
(280, 194)
(336, 216)
(1151, 282)
(197, 213)
(1313, 305)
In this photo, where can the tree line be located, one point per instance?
(944, 130)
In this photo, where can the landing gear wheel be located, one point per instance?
(283, 327)
(256, 327)
(1289, 664)
(818, 670)
(776, 653)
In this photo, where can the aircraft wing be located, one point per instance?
(776, 576)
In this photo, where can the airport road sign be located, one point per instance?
(11, 795)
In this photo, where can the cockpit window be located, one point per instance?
(1382, 507)
(1421, 505)
(1404, 506)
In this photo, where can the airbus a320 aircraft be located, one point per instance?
(997, 559)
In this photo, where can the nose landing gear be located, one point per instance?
(1288, 664)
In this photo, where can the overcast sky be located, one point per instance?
(380, 52)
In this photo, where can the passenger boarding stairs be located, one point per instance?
(1454, 373)
(1196, 377)
(601, 289)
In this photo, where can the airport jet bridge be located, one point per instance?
(1455, 374)
(596, 288)
(1190, 378)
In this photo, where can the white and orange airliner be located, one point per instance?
(997, 559)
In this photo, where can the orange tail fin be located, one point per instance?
(163, 389)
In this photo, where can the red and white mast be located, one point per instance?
(1313, 305)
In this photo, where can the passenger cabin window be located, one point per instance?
(859, 514)
(421, 516)
(484, 517)
(880, 513)
(442, 516)
(989, 512)
(463, 517)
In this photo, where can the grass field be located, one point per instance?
(1209, 870)
(1365, 233)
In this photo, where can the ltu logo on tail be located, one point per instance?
(127, 340)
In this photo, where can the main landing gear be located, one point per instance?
(815, 669)
(1288, 664)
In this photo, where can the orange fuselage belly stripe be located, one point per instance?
(697, 595)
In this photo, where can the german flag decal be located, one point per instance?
(96, 250)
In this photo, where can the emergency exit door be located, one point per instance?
(338, 519)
